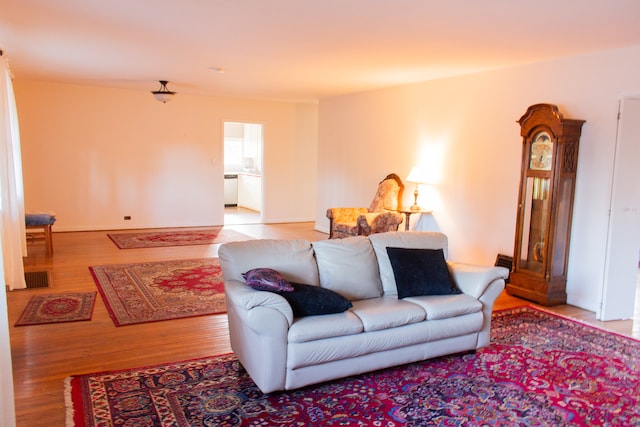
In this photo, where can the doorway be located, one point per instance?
(619, 299)
(243, 173)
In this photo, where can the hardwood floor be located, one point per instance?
(44, 355)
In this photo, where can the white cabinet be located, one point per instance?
(250, 191)
(230, 190)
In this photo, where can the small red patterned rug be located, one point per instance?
(157, 239)
(58, 308)
(162, 290)
(540, 370)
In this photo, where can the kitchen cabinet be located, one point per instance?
(250, 191)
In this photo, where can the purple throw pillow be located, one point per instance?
(267, 279)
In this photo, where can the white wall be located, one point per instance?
(7, 403)
(94, 155)
(290, 169)
(467, 126)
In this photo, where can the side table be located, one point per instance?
(407, 215)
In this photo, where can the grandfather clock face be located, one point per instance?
(541, 153)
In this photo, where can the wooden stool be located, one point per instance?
(41, 222)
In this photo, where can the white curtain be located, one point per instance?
(12, 227)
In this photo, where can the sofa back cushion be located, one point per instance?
(349, 267)
(293, 259)
(395, 239)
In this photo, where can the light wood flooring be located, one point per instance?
(44, 355)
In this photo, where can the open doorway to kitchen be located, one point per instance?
(243, 173)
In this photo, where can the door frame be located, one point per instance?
(623, 234)
(261, 160)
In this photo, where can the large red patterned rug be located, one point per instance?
(161, 290)
(540, 370)
(156, 239)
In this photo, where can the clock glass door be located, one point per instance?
(534, 226)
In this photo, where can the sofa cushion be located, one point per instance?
(266, 279)
(446, 306)
(421, 272)
(349, 267)
(292, 258)
(312, 328)
(396, 239)
(461, 332)
(387, 312)
(307, 300)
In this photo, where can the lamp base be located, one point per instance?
(415, 206)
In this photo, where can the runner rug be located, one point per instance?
(161, 290)
(540, 370)
(156, 239)
(58, 308)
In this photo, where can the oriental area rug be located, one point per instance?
(160, 290)
(540, 370)
(157, 239)
(58, 308)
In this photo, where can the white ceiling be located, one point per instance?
(298, 49)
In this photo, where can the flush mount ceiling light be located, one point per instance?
(163, 94)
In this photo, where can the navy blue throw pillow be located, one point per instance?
(307, 300)
(420, 272)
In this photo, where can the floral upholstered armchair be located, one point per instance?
(378, 218)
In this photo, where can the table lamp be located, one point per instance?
(418, 175)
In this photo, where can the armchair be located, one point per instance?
(377, 218)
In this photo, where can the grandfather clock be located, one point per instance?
(545, 205)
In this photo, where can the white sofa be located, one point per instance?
(283, 352)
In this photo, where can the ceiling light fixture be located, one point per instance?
(163, 94)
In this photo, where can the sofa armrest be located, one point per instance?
(245, 299)
(485, 283)
(258, 326)
(488, 299)
(474, 279)
(345, 214)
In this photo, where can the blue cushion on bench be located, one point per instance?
(39, 219)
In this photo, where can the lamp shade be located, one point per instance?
(418, 175)
(163, 94)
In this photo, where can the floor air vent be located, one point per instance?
(506, 262)
(37, 279)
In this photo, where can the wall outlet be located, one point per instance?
(127, 217)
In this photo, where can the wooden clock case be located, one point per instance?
(545, 205)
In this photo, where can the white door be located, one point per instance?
(623, 246)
